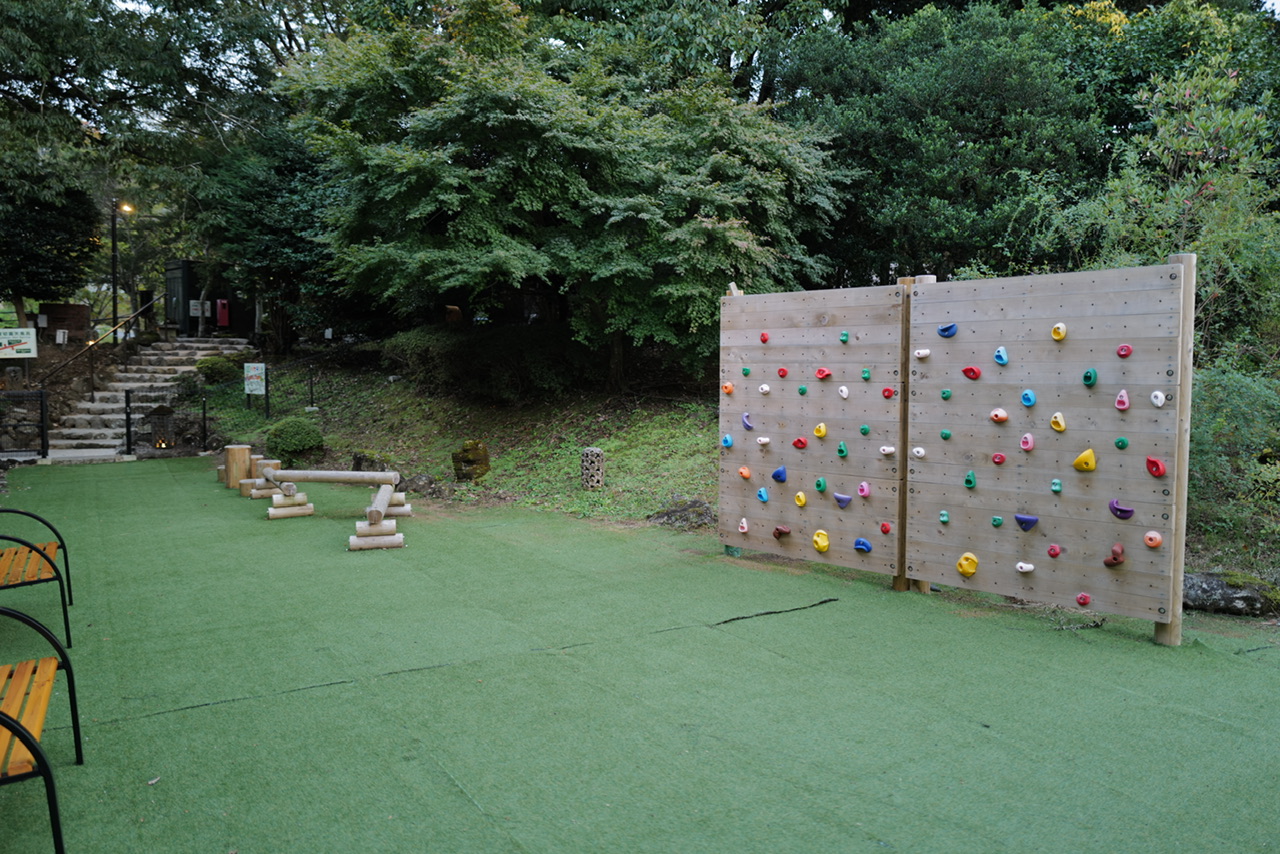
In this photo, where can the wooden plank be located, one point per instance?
(10, 567)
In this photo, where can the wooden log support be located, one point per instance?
(269, 492)
(378, 509)
(397, 499)
(222, 474)
(384, 528)
(302, 476)
(247, 486)
(237, 463)
(290, 512)
(395, 541)
(261, 463)
(283, 500)
(396, 512)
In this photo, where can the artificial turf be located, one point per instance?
(516, 681)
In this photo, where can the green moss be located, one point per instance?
(1268, 591)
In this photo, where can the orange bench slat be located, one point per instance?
(25, 691)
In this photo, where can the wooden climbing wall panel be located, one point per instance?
(1034, 430)
(846, 421)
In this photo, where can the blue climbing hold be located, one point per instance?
(1026, 522)
(1002, 356)
(862, 545)
(727, 441)
(947, 330)
(1028, 398)
(842, 500)
(780, 474)
(763, 495)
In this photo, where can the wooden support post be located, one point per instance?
(263, 463)
(246, 486)
(395, 541)
(282, 500)
(384, 528)
(290, 512)
(222, 474)
(397, 499)
(402, 510)
(269, 492)
(237, 463)
(378, 509)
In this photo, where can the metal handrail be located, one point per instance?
(88, 347)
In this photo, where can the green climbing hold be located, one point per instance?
(842, 450)
(1090, 378)
(945, 434)
(866, 373)
(844, 337)
(997, 521)
(944, 517)
(820, 484)
(804, 389)
(746, 372)
(970, 480)
(946, 394)
(864, 429)
(1056, 485)
(1122, 443)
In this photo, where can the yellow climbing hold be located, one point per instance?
(1059, 331)
(1058, 422)
(967, 565)
(821, 541)
(800, 499)
(820, 431)
(1087, 461)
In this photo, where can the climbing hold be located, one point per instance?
(801, 443)
(780, 531)
(800, 499)
(780, 474)
(821, 430)
(1028, 398)
(885, 528)
(866, 373)
(822, 373)
(842, 500)
(887, 450)
(1090, 378)
(999, 415)
(887, 393)
(764, 388)
(970, 479)
(727, 441)
(1153, 539)
(998, 458)
(971, 371)
(945, 434)
(1028, 442)
(1118, 510)
(746, 421)
(997, 521)
(1002, 356)
(842, 450)
(727, 388)
(1122, 442)
(918, 453)
(1054, 550)
(763, 495)
(1158, 399)
(742, 525)
(764, 337)
(1155, 467)
(844, 337)
(967, 565)
(782, 372)
(1024, 567)
(1122, 400)
(1124, 351)
(864, 429)
(804, 389)
(1025, 522)
(922, 354)
(944, 517)
(744, 473)
(1087, 461)
(864, 489)
(820, 484)
(821, 541)
(762, 440)
(862, 545)
(1083, 599)
(1055, 485)
(1116, 557)
(843, 391)
(948, 330)
(746, 372)
(1058, 332)
(1058, 422)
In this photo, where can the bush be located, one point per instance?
(216, 370)
(294, 437)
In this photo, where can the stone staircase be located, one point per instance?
(97, 425)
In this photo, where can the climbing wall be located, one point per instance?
(1023, 436)
(1049, 419)
(811, 425)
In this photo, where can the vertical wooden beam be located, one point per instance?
(237, 463)
(918, 585)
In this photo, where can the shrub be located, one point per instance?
(291, 438)
(216, 370)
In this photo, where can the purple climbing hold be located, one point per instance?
(746, 421)
(1026, 522)
(1119, 511)
(842, 500)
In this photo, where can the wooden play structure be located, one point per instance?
(257, 477)
(1024, 436)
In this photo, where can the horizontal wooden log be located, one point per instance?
(397, 499)
(268, 492)
(302, 476)
(402, 510)
(395, 541)
(283, 500)
(290, 512)
(246, 486)
(384, 528)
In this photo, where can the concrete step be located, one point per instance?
(139, 397)
(103, 444)
(82, 434)
(100, 421)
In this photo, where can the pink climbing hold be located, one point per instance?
(1028, 442)
(864, 489)
(1122, 400)
(971, 371)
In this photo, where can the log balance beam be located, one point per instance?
(377, 532)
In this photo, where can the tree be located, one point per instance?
(45, 244)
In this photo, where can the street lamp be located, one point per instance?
(117, 207)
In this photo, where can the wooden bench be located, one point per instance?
(23, 563)
(25, 690)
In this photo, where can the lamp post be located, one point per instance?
(117, 207)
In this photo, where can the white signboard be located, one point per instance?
(198, 308)
(17, 343)
(255, 378)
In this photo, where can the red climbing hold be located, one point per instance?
(1155, 467)
(801, 443)
(1055, 550)
(885, 527)
(822, 373)
(998, 459)
(782, 372)
(764, 337)
(1124, 351)
(1117, 556)
(887, 393)
(780, 531)
(972, 372)
(1083, 599)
